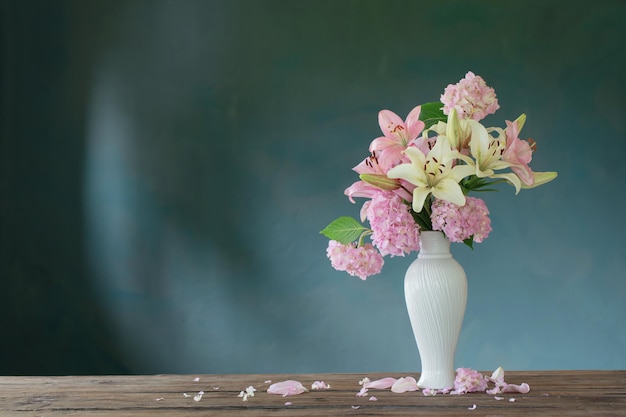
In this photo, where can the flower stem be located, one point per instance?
(362, 236)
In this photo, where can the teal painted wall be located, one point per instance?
(165, 167)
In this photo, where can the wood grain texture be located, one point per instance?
(553, 393)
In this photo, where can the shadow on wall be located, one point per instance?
(124, 174)
(51, 322)
(165, 213)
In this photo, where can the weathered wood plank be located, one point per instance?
(553, 393)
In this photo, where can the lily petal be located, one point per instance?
(461, 171)
(520, 122)
(381, 143)
(390, 123)
(498, 375)
(512, 178)
(404, 385)
(285, 388)
(419, 197)
(409, 173)
(383, 383)
(523, 388)
(360, 189)
(449, 190)
(414, 124)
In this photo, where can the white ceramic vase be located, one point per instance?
(435, 288)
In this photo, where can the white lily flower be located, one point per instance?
(487, 151)
(434, 174)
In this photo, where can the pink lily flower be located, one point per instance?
(398, 135)
(361, 189)
(371, 165)
(518, 152)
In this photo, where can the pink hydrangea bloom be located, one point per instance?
(394, 231)
(469, 380)
(462, 222)
(471, 97)
(360, 261)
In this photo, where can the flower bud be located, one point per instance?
(381, 181)
(520, 122)
(453, 130)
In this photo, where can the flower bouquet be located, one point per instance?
(420, 173)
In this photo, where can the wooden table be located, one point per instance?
(553, 393)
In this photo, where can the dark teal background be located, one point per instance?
(166, 166)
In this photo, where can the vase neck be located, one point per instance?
(434, 245)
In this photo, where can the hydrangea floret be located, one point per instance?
(420, 173)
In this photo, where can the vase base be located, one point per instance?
(436, 380)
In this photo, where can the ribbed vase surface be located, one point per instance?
(435, 288)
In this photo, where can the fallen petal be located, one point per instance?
(160, 399)
(286, 388)
(511, 400)
(523, 388)
(320, 385)
(288, 403)
(362, 393)
(196, 379)
(498, 375)
(355, 407)
(198, 396)
(473, 407)
(383, 383)
(372, 398)
(498, 398)
(429, 392)
(404, 385)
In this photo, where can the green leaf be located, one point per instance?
(470, 242)
(345, 230)
(482, 190)
(431, 114)
(474, 183)
(422, 219)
